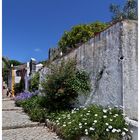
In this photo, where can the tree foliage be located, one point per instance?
(128, 11)
(14, 62)
(7, 65)
(79, 34)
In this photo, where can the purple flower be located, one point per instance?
(24, 96)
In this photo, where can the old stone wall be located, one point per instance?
(111, 60)
(130, 69)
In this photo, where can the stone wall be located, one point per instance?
(111, 60)
(130, 69)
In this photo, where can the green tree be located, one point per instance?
(128, 11)
(7, 66)
(14, 62)
(79, 34)
(5, 69)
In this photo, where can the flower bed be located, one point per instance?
(94, 122)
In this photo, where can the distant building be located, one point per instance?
(24, 71)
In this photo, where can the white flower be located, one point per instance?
(80, 123)
(73, 112)
(81, 115)
(113, 130)
(116, 115)
(95, 121)
(96, 115)
(123, 133)
(87, 114)
(57, 121)
(91, 128)
(123, 114)
(84, 119)
(64, 125)
(86, 130)
(85, 108)
(59, 118)
(111, 120)
(110, 108)
(107, 129)
(85, 123)
(104, 110)
(89, 111)
(110, 113)
(126, 123)
(119, 130)
(80, 126)
(104, 116)
(106, 124)
(110, 127)
(69, 122)
(125, 129)
(131, 131)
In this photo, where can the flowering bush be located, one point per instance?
(23, 96)
(94, 121)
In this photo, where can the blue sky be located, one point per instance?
(31, 27)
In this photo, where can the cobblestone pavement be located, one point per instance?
(17, 126)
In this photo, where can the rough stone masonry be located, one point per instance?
(111, 60)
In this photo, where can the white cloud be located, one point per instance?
(37, 50)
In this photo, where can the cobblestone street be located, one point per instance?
(17, 126)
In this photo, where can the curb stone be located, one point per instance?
(22, 126)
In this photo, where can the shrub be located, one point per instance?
(63, 84)
(94, 121)
(37, 114)
(34, 82)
